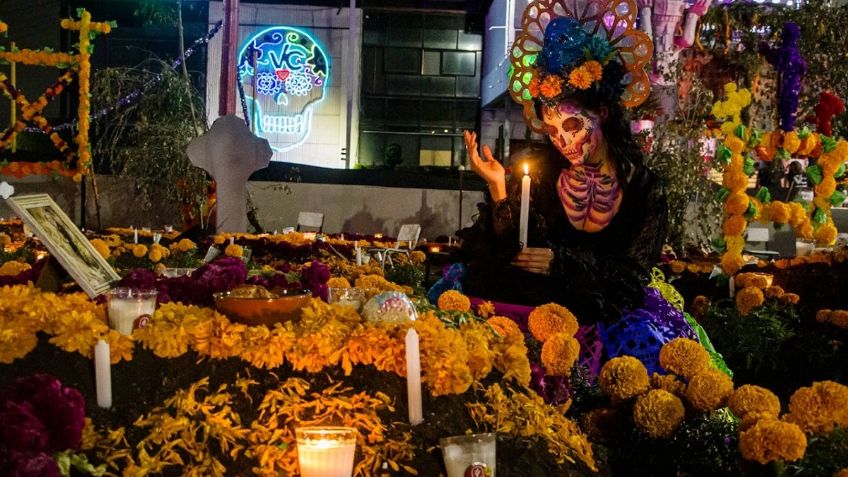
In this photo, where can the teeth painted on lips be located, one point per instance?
(296, 124)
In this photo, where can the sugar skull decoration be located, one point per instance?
(390, 307)
(284, 74)
(571, 46)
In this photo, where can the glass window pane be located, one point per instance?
(459, 63)
(406, 85)
(403, 112)
(405, 35)
(470, 41)
(437, 114)
(438, 86)
(468, 86)
(403, 60)
(444, 39)
(431, 63)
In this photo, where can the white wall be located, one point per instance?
(330, 27)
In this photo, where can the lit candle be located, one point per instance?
(435, 249)
(525, 207)
(413, 378)
(326, 451)
(125, 306)
(378, 236)
(103, 373)
(731, 285)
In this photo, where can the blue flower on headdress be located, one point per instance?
(599, 48)
(564, 43)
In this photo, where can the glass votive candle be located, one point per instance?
(326, 451)
(352, 297)
(804, 247)
(472, 455)
(127, 306)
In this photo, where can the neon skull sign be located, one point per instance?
(284, 74)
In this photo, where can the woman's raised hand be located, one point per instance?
(490, 170)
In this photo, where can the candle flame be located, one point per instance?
(526, 169)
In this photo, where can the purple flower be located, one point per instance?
(60, 409)
(553, 389)
(315, 277)
(31, 464)
(22, 430)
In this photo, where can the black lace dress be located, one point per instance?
(596, 275)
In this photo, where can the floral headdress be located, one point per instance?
(571, 46)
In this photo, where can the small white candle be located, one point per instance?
(731, 286)
(232, 240)
(135, 235)
(525, 207)
(413, 378)
(103, 373)
(358, 256)
(326, 452)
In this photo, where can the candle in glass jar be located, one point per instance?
(525, 207)
(126, 305)
(326, 451)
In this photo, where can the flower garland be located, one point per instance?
(733, 154)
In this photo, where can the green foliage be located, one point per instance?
(407, 274)
(707, 444)
(145, 142)
(676, 156)
(825, 456)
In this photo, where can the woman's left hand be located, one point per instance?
(535, 260)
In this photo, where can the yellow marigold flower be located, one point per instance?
(550, 319)
(551, 86)
(185, 245)
(485, 309)
(819, 408)
(595, 69)
(826, 187)
(101, 247)
(658, 413)
(748, 299)
(338, 282)
(453, 300)
(677, 266)
(771, 440)
(735, 144)
(15, 343)
(623, 378)
(155, 255)
(559, 353)
(684, 357)
(668, 382)
(700, 306)
(756, 280)
(791, 142)
(779, 212)
(13, 268)
(219, 239)
(234, 250)
(139, 250)
(708, 390)
(826, 234)
(790, 298)
(504, 326)
(120, 346)
(774, 292)
(418, 257)
(752, 399)
(580, 78)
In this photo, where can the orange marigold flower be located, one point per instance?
(551, 86)
(790, 298)
(139, 250)
(749, 398)
(700, 306)
(234, 250)
(737, 204)
(547, 320)
(677, 266)
(774, 292)
(684, 357)
(623, 378)
(559, 353)
(486, 309)
(503, 326)
(580, 78)
(668, 382)
(453, 300)
(823, 316)
(826, 234)
(595, 69)
(658, 413)
(819, 408)
(338, 282)
(534, 87)
(101, 247)
(13, 268)
(748, 299)
(708, 390)
(839, 318)
(734, 225)
(771, 440)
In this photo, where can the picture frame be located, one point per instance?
(65, 242)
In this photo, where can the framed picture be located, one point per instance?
(65, 242)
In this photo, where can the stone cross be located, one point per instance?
(230, 153)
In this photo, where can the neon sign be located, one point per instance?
(284, 73)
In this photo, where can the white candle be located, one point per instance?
(135, 235)
(125, 307)
(413, 378)
(103, 373)
(731, 285)
(325, 452)
(358, 256)
(525, 207)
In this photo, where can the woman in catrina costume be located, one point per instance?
(597, 213)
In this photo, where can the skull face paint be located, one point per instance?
(284, 75)
(574, 131)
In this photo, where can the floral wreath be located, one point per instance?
(569, 46)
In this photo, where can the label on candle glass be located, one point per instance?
(477, 469)
(141, 321)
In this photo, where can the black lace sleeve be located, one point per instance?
(650, 237)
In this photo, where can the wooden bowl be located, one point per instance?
(263, 311)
